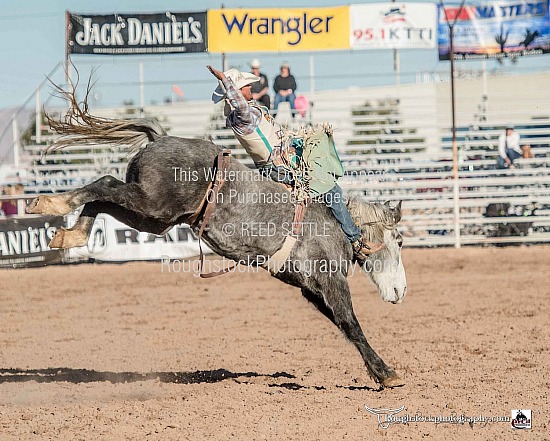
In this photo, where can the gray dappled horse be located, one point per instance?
(154, 198)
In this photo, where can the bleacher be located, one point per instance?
(387, 160)
(395, 145)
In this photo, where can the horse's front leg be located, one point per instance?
(336, 305)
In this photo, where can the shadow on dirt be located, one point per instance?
(78, 376)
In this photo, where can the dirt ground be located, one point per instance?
(113, 352)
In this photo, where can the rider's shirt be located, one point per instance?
(253, 126)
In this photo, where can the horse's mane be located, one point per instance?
(373, 218)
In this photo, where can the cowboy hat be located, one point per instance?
(255, 63)
(240, 80)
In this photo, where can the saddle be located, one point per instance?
(208, 204)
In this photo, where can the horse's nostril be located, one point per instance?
(396, 292)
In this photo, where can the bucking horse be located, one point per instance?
(157, 195)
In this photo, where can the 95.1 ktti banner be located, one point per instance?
(393, 26)
(496, 29)
(278, 30)
(136, 34)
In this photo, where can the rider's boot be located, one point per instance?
(362, 248)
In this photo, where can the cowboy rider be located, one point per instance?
(260, 135)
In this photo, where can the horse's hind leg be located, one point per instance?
(64, 203)
(337, 307)
(78, 235)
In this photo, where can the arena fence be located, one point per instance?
(496, 207)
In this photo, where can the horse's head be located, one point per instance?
(378, 223)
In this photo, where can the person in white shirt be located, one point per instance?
(508, 148)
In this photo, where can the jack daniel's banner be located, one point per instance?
(137, 34)
(24, 241)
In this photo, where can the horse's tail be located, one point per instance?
(79, 127)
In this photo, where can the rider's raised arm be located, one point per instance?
(239, 104)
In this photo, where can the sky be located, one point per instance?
(32, 39)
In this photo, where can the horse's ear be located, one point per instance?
(387, 203)
(397, 212)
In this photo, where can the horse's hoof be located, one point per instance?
(393, 381)
(64, 239)
(54, 205)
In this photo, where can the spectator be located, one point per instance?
(285, 88)
(9, 207)
(302, 105)
(260, 89)
(508, 148)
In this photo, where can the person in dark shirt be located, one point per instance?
(260, 89)
(285, 87)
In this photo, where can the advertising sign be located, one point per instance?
(111, 240)
(496, 30)
(393, 26)
(278, 30)
(24, 241)
(137, 34)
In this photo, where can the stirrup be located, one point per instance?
(362, 249)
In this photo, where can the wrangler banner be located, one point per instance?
(24, 241)
(393, 26)
(278, 30)
(496, 29)
(131, 34)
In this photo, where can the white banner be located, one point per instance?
(393, 26)
(111, 240)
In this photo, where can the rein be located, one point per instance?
(207, 205)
